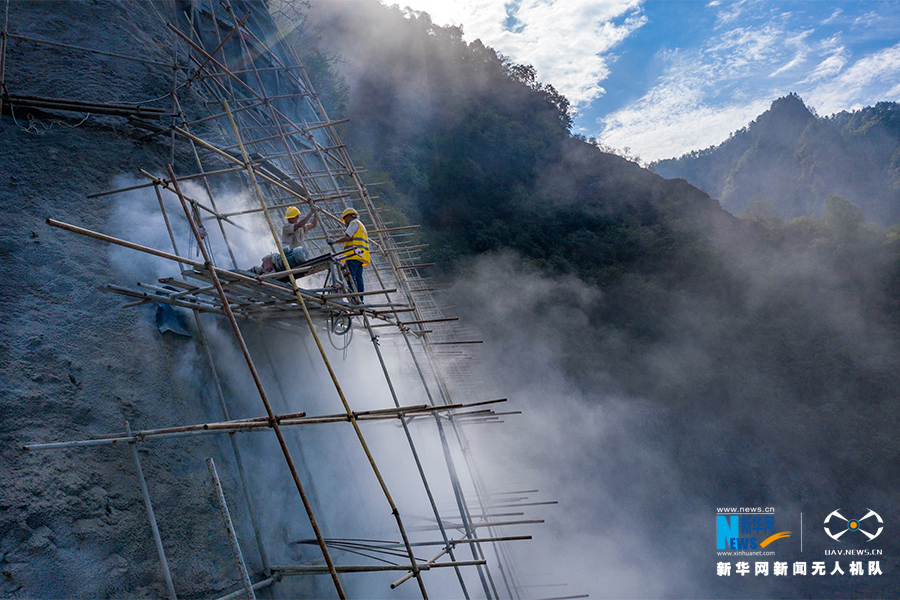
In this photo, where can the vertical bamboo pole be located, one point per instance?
(209, 193)
(273, 423)
(229, 527)
(151, 516)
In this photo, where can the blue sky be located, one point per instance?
(663, 77)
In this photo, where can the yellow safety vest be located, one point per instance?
(360, 239)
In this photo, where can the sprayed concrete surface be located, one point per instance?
(74, 364)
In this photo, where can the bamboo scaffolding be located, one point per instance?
(259, 386)
(257, 298)
(401, 275)
(394, 510)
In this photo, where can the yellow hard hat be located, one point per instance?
(349, 211)
(292, 212)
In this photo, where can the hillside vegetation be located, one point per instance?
(758, 342)
(793, 159)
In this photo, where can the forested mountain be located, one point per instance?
(478, 151)
(792, 159)
(726, 349)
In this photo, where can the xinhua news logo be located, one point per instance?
(836, 525)
(751, 529)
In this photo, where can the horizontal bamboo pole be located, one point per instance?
(241, 593)
(370, 293)
(148, 297)
(65, 105)
(290, 202)
(295, 570)
(100, 52)
(159, 111)
(454, 343)
(256, 424)
(548, 502)
(379, 313)
(151, 184)
(421, 321)
(397, 545)
(407, 248)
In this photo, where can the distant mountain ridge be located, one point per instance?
(793, 159)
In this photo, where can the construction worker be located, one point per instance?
(291, 242)
(293, 230)
(355, 236)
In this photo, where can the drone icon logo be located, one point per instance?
(852, 525)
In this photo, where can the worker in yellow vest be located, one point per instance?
(355, 236)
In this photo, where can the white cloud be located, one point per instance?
(676, 116)
(567, 41)
(874, 76)
(837, 12)
(829, 67)
(729, 13)
(867, 20)
(801, 50)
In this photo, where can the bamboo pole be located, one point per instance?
(212, 200)
(145, 61)
(152, 518)
(256, 586)
(152, 183)
(456, 542)
(294, 570)
(74, 106)
(229, 528)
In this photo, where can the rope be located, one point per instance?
(33, 123)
